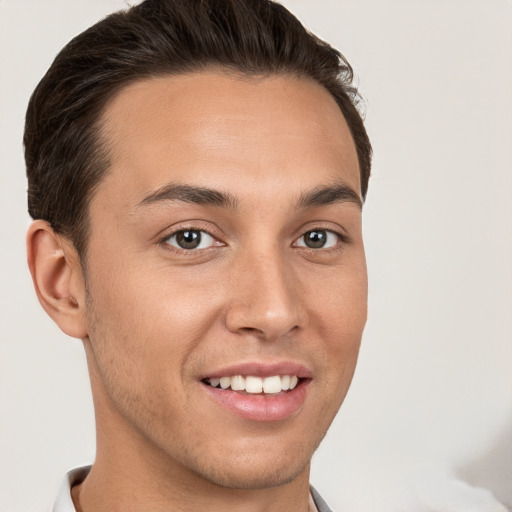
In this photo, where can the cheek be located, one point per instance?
(145, 322)
(134, 295)
(340, 301)
(339, 316)
(142, 333)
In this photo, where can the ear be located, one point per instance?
(58, 278)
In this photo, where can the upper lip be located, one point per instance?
(261, 369)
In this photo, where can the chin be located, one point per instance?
(256, 467)
(254, 477)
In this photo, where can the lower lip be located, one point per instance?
(260, 407)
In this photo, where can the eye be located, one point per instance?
(190, 239)
(318, 239)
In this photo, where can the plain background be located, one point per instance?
(427, 425)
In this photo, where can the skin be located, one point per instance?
(154, 318)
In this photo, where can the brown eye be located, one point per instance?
(315, 239)
(190, 239)
(318, 239)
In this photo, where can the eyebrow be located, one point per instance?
(323, 196)
(319, 196)
(191, 194)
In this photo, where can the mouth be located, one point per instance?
(260, 393)
(253, 385)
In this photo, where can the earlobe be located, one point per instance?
(58, 278)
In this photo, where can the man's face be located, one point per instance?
(225, 242)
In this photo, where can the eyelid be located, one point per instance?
(164, 240)
(330, 233)
(208, 239)
(338, 231)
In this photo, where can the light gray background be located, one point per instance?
(427, 425)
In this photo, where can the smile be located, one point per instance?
(255, 385)
(260, 392)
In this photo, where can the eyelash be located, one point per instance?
(342, 239)
(168, 246)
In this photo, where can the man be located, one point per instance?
(196, 174)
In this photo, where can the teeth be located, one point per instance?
(272, 384)
(225, 382)
(237, 383)
(251, 384)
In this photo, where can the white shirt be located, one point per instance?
(64, 502)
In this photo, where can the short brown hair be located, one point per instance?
(66, 158)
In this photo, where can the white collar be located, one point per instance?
(64, 503)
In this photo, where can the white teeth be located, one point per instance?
(272, 384)
(225, 382)
(251, 384)
(237, 383)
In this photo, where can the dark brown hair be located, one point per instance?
(65, 156)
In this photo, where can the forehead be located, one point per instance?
(219, 130)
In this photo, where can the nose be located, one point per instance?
(265, 298)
